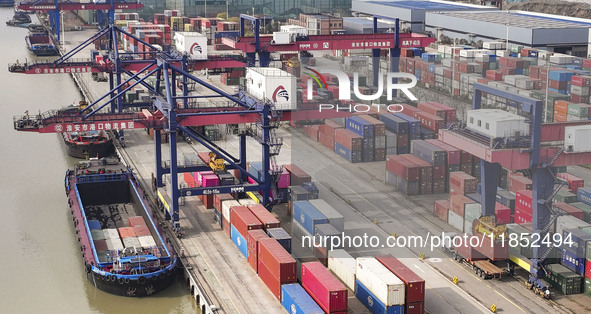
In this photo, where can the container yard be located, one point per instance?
(471, 199)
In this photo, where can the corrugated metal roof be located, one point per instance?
(424, 5)
(520, 19)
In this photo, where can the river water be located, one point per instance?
(41, 269)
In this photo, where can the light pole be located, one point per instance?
(507, 38)
(547, 81)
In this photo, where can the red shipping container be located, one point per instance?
(523, 201)
(141, 231)
(326, 140)
(466, 158)
(329, 127)
(100, 245)
(425, 168)
(434, 110)
(226, 227)
(218, 198)
(207, 200)
(264, 216)
(324, 288)
(588, 269)
(502, 214)
(521, 217)
(453, 154)
(136, 221)
(414, 286)
(252, 239)
(430, 121)
(579, 98)
(467, 251)
(458, 202)
(518, 183)
(297, 175)
(569, 209)
(414, 308)
(348, 139)
(410, 110)
(507, 71)
(494, 250)
(204, 156)
(272, 282)
(401, 167)
(441, 209)
(126, 232)
(580, 80)
(243, 220)
(587, 63)
(494, 75)
(439, 172)
(402, 140)
(574, 182)
(462, 183)
(447, 73)
(277, 259)
(311, 131)
(189, 179)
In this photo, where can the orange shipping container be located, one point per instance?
(126, 232)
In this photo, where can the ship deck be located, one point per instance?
(111, 215)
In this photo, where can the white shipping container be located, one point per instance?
(343, 266)
(294, 29)
(114, 244)
(131, 242)
(441, 48)
(272, 84)
(576, 138)
(571, 117)
(468, 226)
(380, 281)
(482, 57)
(246, 201)
(111, 233)
(193, 43)
(446, 63)
(455, 220)
(524, 83)
(226, 205)
(467, 53)
(496, 123)
(569, 222)
(502, 53)
(147, 241)
(578, 90)
(282, 38)
(510, 79)
(334, 217)
(561, 59)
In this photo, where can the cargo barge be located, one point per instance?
(125, 250)
(6, 3)
(40, 42)
(89, 144)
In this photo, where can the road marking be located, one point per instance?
(417, 267)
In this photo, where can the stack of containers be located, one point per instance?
(461, 183)
(343, 265)
(579, 88)
(466, 162)
(379, 137)
(414, 286)
(585, 209)
(348, 145)
(402, 174)
(558, 81)
(507, 198)
(327, 232)
(414, 126)
(569, 209)
(326, 133)
(311, 131)
(252, 243)
(391, 143)
(281, 236)
(463, 212)
(441, 209)
(453, 156)
(297, 175)
(433, 110)
(217, 206)
(296, 300)
(437, 158)
(573, 254)
(365, 129)
(334, 217)
(519, 182)
(275, 266)
(227, 207)
(578, 112)
(264, 216)
(324, 288)
(378, 288)
(113, 240)
(305, 219)
(139, 226)
(425, 174)
(563, 279)
(574, 182)
(523, 207)
(242, 220)
(400, 128)
(128, 237)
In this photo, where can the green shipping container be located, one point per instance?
(586, 210)
(565, 196)
(560, 169)
(588, 255)
(578, 110)
(563, 279)
(587, 289)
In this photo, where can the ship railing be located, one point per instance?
(93, 178)
(47, 63)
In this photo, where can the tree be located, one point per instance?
(234, 19)
(222, 16)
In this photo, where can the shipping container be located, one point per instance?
(569, 222)
(563, 279)
(379, 127)
(373, 303)
(574, 182)
(264, 216)
(193, 43)
(343, 266)
(328, 292)
(502, 214)
(455, 220)
(414, 285)
(395, 124)
(441, 208)
(348, 139)
(462, 183)
(126, 232)
(226, 208)
(281, 236)
(586, 209)
(239, 241)
(380, 281)
(334, 217)
(296, 300)
(277, 260)
(252, 239)
(453, 154)
(273, 84)
(243, 220)
(429, 152)
(569, 209)
(425, 168)
(575, 138)
(565, 196)
(523, 201)
(400, 166)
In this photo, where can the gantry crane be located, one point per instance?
(536, 157)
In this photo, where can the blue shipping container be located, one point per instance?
(351, 156)
(255, 169)
(579, 241)
(414, 125)
(584, 195)
(571, 261)
(296, 300)
(578, 61)
(94, 225)
(367, 155)
(217, 217)
(560, 91)
(308, 216)
(533, 54)
(395, 124)
(559, 75)
(360, 126)
(239, 240)
(373, 303)
(402, 150)
(281, 236)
